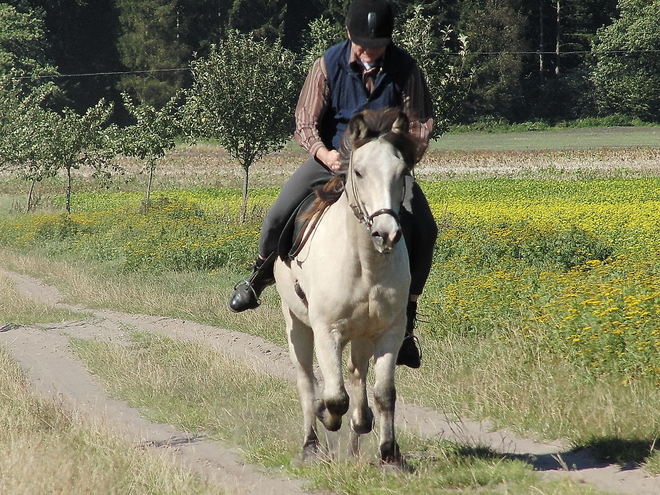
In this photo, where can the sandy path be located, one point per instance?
(55, 371)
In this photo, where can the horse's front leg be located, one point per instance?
(301, 350)
(385, 400)
(334, 402)
(362, 419)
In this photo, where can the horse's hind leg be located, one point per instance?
(301, 350)
(362, 419)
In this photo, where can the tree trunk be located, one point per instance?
(28, 206)
(541, 41)
(245, 193)
(147, 201)
(68, 189)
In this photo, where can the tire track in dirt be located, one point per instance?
(55, 370)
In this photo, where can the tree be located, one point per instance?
(496, 30)
(442, 61)
(151, 136)
(151, 44)
(627, 72)
(243, 95)
(81, 37)
(77, 140)
(22, 43)
(323, 33)
(25, 129)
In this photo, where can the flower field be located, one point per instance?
(570, 264)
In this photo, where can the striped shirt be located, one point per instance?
(315, 99)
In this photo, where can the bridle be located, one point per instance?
(360, 212)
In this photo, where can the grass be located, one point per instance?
(550, 139)
(47, 448)
(502, 359)
(200, 390)
(18, 310)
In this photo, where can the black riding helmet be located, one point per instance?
(370, 23)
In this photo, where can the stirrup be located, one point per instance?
(248, 284)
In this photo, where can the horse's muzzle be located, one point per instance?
(385, 239)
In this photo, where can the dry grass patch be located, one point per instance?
(46, 448)
(19, 310)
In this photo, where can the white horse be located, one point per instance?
(350, 283)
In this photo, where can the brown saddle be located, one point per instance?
(292, 239)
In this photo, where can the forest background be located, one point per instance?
(528, 60)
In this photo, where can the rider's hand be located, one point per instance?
(329, 158)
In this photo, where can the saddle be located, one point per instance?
(292, 238)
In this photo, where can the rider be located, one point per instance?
(366, 71)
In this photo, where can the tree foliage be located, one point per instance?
(80, 140)
(243, 95)
(441, 56)
(627, 73)
(25, 130)
(150, 136)
(22, 43)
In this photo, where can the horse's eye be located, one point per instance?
(358, 174)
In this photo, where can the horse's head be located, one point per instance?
(382, 154)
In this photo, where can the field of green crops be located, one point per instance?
(571, 263)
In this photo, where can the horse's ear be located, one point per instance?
(401, 124)
(358, 128)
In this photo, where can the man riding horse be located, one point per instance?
(365, 71)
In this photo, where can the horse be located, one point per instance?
(349, 283)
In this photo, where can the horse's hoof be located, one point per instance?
(396, 466)
(365, 425)
(331, 422)
(313, 451)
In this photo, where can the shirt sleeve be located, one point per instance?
(418, 105)
(312, 104)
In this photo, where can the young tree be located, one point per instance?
(25, 127)
(77, 140)
(323, 33)
(243, 94)
(627, 72)
(151, 136)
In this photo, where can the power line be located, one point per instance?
(488, 54)
(109, 73)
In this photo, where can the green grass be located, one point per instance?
(550, 139)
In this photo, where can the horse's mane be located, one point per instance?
(377, 124)
(390, 124)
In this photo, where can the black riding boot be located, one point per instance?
(409, 354)
(247, 292)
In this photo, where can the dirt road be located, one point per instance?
(55, 371)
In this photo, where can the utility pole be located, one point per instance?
(558, 36)
(541, 42)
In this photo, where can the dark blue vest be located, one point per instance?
(348, 94)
